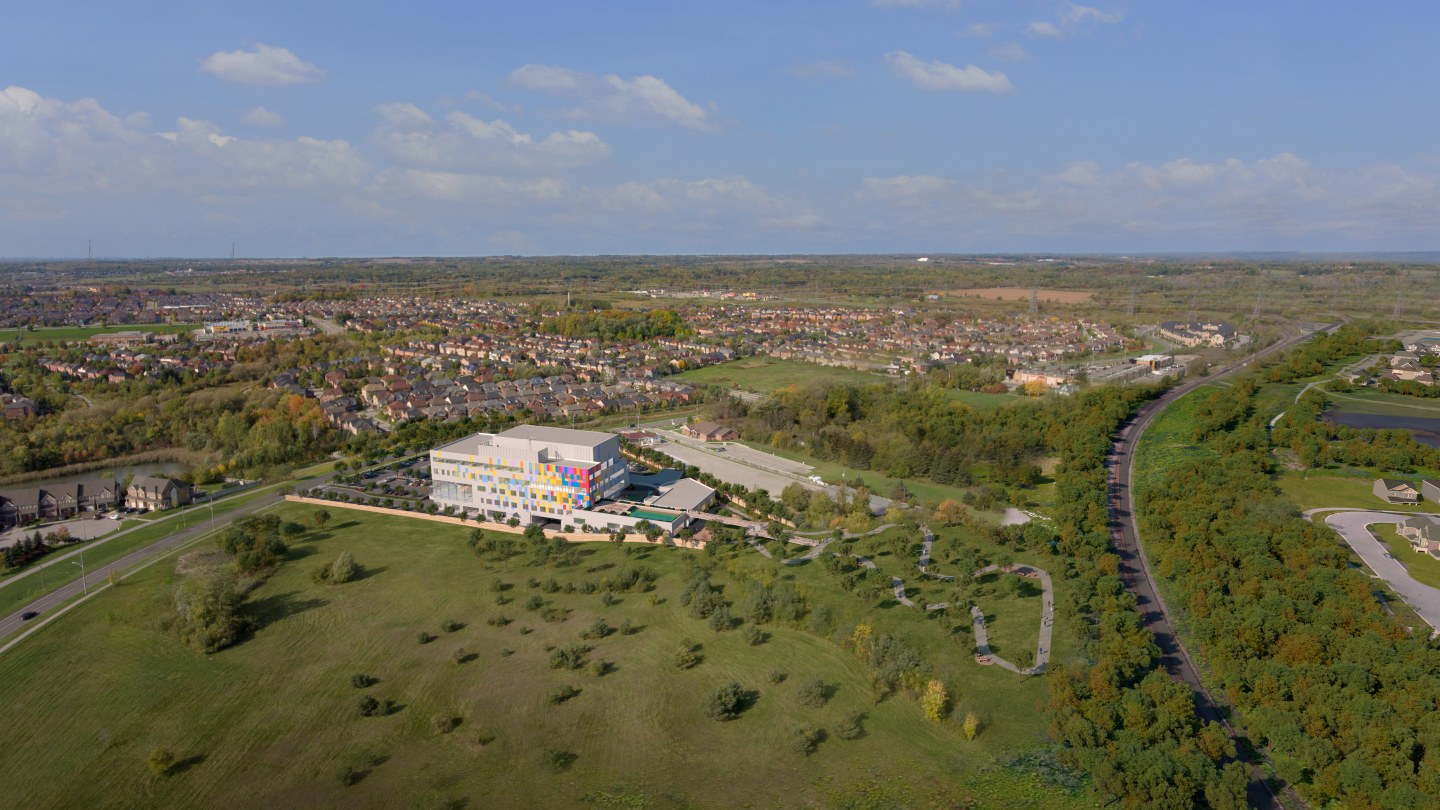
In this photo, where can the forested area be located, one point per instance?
(613, 324)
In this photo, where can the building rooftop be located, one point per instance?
(554, 435)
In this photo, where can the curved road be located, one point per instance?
(1135, 570)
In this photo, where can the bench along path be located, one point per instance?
(982, 642)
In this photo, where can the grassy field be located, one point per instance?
(763, 375)
(981, 400)
(1168, 441)
(1422, 567)
(270, 722)
(82, 333)
(1313, 490)
(1385, 404)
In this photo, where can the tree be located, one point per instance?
(344, 568)
(972, 725)
(806, 739)
(811, 692)
(935, 701)
(724, 702)
(161, 760)
(848, 726)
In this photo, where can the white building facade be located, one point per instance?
(530, 472)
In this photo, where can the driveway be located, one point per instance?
(1355, 528)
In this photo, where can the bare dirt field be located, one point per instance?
(1023, 294)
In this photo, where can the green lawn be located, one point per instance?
(81, 333)
(981, 400)
(1422, 567)
(270, 722)
(1385, 404)
(1311, 490)
(763, 375)
(1169, 440)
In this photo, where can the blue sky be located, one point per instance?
(364, 129)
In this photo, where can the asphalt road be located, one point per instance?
(1354, 527)
(1136, 570)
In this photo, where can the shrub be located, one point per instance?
(597, 630)
(347, 776)
(444, 723)
(655, 600)
(449, 625)
(500, 599)
(532, 582)
(774, 675)
(553, 615)
(423, 637)
(587, 587)
(368, 707)
(607, 599)
(811, 692)
(506, 652)
(161, 760)
(848, 727)
(524, 631)
(360, 681)
(720, 619)
(458, 655)
(560, 694)
(498, 620)
(322, 575)
(805, 740)
(553, 759)
(972, 725)
(599, 667)
(724, 702)
(569, 588)
(570, 657)
(535, 602)
(550, 585)
(685, 658)
(752, 634)
(628, 628)
(496, 585)
(344, 568)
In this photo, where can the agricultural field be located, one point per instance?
(764, 375)
(83, 333)
(273, 722)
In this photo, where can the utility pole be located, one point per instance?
(83, 583)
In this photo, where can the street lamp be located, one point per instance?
(83, 583)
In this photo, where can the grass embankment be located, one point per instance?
(271, 721)
(764, 375)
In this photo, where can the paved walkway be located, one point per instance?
(1354, 527)
(1047, 593)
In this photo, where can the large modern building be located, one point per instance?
(530, 472)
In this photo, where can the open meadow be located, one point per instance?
(764, 375)
(272, 721)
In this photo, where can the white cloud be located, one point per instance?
(939, 76)
(611, 99)
(823, 69)
(1009, 52)
(264, 65)
(261, 117)
(411, 136)
(485, 98)
(1044, 30)
(1077, 15)
(981, 29)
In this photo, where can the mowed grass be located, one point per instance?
(764, 375)
(269, 722)
(84, 333)
(1385, 404)
(1421, 566)
(981, 400)
(1310, 490)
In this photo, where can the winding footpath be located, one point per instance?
(982, 641)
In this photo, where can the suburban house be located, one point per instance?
(1423, 532)
(1430, 491)
(1396, 490)
(18, 407)
(146, 492)
(710, 432)
(22, 506)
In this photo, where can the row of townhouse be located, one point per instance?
(20, 507)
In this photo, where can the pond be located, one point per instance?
(1425, 430)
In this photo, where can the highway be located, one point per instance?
(1135, 569)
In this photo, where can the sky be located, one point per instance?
(169, 129)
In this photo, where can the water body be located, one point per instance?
(1426, 430)
(159, 468)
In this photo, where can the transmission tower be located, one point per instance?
(1256, 313)
(1398, 293)
(1194, 303)
(90, 243)
(1130, 310)
(1034, 300)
